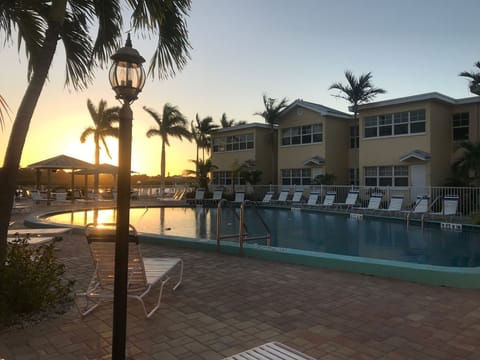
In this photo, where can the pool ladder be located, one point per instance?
(242, 234)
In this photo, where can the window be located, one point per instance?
(354, 140)
(401, 123)
(296, 176)
(233, 143)
(417, 121)
(460, 126)
(386, 176)
(307, 134)
(222, 177)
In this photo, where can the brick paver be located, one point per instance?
(228, 304)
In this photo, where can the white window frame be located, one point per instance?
(389, 125)
(302, 135)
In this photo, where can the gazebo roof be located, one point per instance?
(100, 169)
(62, 162)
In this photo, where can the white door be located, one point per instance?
(418, 174)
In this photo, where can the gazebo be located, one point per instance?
(61, 162)
(100, 169)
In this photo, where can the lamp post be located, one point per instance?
(127, 78)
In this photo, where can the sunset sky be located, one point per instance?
(242, 49)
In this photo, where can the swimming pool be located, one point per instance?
(337, 234)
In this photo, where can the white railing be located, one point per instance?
(469, 202)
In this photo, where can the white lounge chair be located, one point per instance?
(421, 204)
(373, 203)
(267, 198)
(33, 233)
(38, 198)
(239, 197)
(297, 197)
(313, 198)
(199, 196)
(282, 197)
(350, 201)
(329, 199)
(37, 240)
(395, 205)
(143, 273)
(217, 194)
(271, 351)
(449, 206)
(216, 197)
(20, 208)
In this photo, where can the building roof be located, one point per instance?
(62, 162)
(241, 127)
(314, 161)
(416, 154)
(321, 109)
(431, 96)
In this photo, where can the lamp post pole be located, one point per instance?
(122, 225)
(127, 78)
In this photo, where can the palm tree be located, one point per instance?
(204, 128)
(356, 92)
(466, 168)
(225, 122)
(474, 77)
(202, 169)
(271, 115)
(40, 25)
(103, 120)
(171, 123)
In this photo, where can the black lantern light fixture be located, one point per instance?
(127, 78)
(126, 74)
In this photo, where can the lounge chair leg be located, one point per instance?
(181, 276)
(140, 298)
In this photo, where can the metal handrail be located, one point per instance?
(219, 222)
(242, 235)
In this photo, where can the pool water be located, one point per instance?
(321, 232)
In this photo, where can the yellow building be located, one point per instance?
(410, 141)
(247, 147)
(312, 140)
(403, 143)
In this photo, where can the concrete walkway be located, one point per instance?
(228, 304)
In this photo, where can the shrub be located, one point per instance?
(31, 281)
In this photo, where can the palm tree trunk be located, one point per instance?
(356, 125)
(97, 163)
(274, 176)
(13, 154)
(162, 169)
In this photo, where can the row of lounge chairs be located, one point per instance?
(422, 204)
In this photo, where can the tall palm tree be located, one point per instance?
(40, 25)
(198, 140)
(226, 122)
(271, 115)
(356, 92)
(466, 167)
(204, 128)
(104, 119)
(474, 78)
(171, 123)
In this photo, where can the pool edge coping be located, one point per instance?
(468, 278)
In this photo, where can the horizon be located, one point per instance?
(243, 50)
